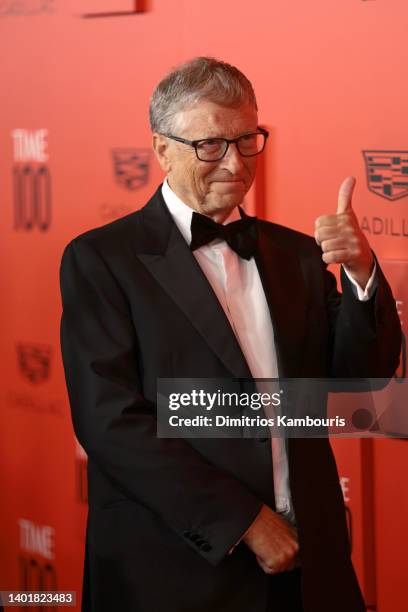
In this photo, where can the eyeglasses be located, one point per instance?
(214, 149)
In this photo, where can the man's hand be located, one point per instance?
(274, 542)
(341, 239)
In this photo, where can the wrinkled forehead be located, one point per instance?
(207, 119)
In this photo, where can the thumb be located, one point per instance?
(345, 195)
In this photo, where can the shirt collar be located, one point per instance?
(182, 213)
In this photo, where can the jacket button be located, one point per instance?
(199, 542)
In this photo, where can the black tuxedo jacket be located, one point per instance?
(163, 513)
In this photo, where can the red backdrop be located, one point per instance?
(75, 153)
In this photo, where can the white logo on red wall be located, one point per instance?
(31, 180)
(345, 487)
(37, 552)
(37, 539)
(26, 8)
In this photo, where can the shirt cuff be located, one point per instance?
(364, 294)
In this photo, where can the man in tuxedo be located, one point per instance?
(191, 287)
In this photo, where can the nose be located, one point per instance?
(232, 160)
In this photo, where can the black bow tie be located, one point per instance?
(239, 235)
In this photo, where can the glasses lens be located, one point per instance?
(211, 149)
(251, 144)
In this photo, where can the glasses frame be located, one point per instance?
(195, 143)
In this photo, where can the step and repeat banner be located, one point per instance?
(75, 153)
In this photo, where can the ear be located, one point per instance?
(161, 147)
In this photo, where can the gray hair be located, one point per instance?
(202, 78)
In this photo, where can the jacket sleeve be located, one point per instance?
(366, 335)
(117, 427)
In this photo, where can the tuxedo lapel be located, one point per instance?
(168, 258)
(284, 289)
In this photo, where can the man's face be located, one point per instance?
(211, 188)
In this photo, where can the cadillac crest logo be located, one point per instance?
(34, 361)
(387, 173)
(131, 167)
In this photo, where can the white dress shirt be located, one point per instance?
(239, 290)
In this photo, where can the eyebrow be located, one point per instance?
(253, 131)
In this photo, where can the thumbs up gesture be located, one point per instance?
(341, 239)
